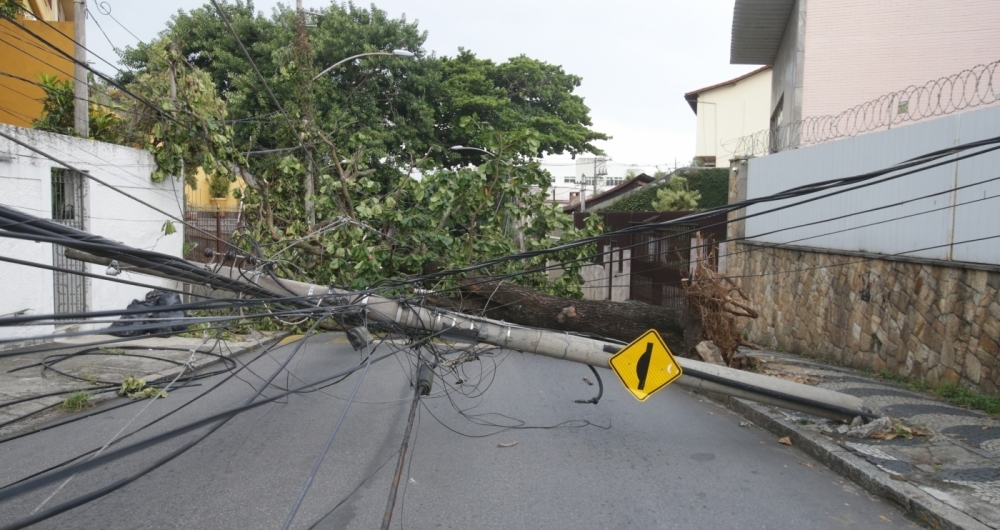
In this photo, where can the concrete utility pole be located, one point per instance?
(720, 379)
(304, 60)
(81, 92)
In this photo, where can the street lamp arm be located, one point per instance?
(467, 148)
(398, 53)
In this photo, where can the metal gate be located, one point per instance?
(70, 290)
(660, 262)
(661, 257)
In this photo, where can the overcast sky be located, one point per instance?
(637, 58)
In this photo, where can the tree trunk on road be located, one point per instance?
(624, 321)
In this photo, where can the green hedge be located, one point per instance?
(712, 183)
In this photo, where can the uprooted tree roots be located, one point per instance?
(718, 301)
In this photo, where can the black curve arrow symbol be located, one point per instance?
(642, 366)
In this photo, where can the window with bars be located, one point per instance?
(69, 289)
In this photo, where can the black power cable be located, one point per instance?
(326, 448)
(37, 482)
(600, 389)
(218, 419)
(244, 366)
(19, 225)
(864, 180)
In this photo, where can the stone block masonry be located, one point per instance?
(918, 319)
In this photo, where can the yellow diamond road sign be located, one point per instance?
(646, 365)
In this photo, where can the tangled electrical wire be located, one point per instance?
(463, 372)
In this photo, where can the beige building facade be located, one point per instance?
(727, 111)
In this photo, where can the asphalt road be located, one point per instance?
(675, 461)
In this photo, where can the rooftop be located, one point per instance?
(692, 96)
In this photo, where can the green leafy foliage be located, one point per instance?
(57, 107)
(969, 398)
(76, 401)
(58, 112)
(193, 134)
(218, 186)
(448, 218)
(949, 391)
(675, 196)
(711, 183)
(10, 9)
(640, 200)
(136, 389)
(390, 198)
(180, 120)
(168, 228)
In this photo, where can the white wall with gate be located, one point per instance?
(934, 214)
(26, 184)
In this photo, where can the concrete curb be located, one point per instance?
(912, 499)
(168, 375)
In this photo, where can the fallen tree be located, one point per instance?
(704, 376)
(501, 300)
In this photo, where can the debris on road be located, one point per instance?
(124, 327)
(874, 429)
(137, 389)
(710, 353)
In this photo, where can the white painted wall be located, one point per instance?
(729, 112)
(25, 184)
(944, 229)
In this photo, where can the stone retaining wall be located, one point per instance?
(918, 320)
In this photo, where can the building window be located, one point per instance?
(569, 180)
(614, 181)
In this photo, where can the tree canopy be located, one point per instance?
(372, 139)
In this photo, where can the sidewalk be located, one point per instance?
(152, 359)
(949, 478)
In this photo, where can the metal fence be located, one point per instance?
(967, 89)
(213, 228)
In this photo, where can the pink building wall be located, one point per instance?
(858, 50)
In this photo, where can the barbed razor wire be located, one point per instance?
(972, 87)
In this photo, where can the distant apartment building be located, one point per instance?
(845, 65)
(588, 176)
(728, 111)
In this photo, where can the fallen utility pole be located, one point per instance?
(560, 345)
